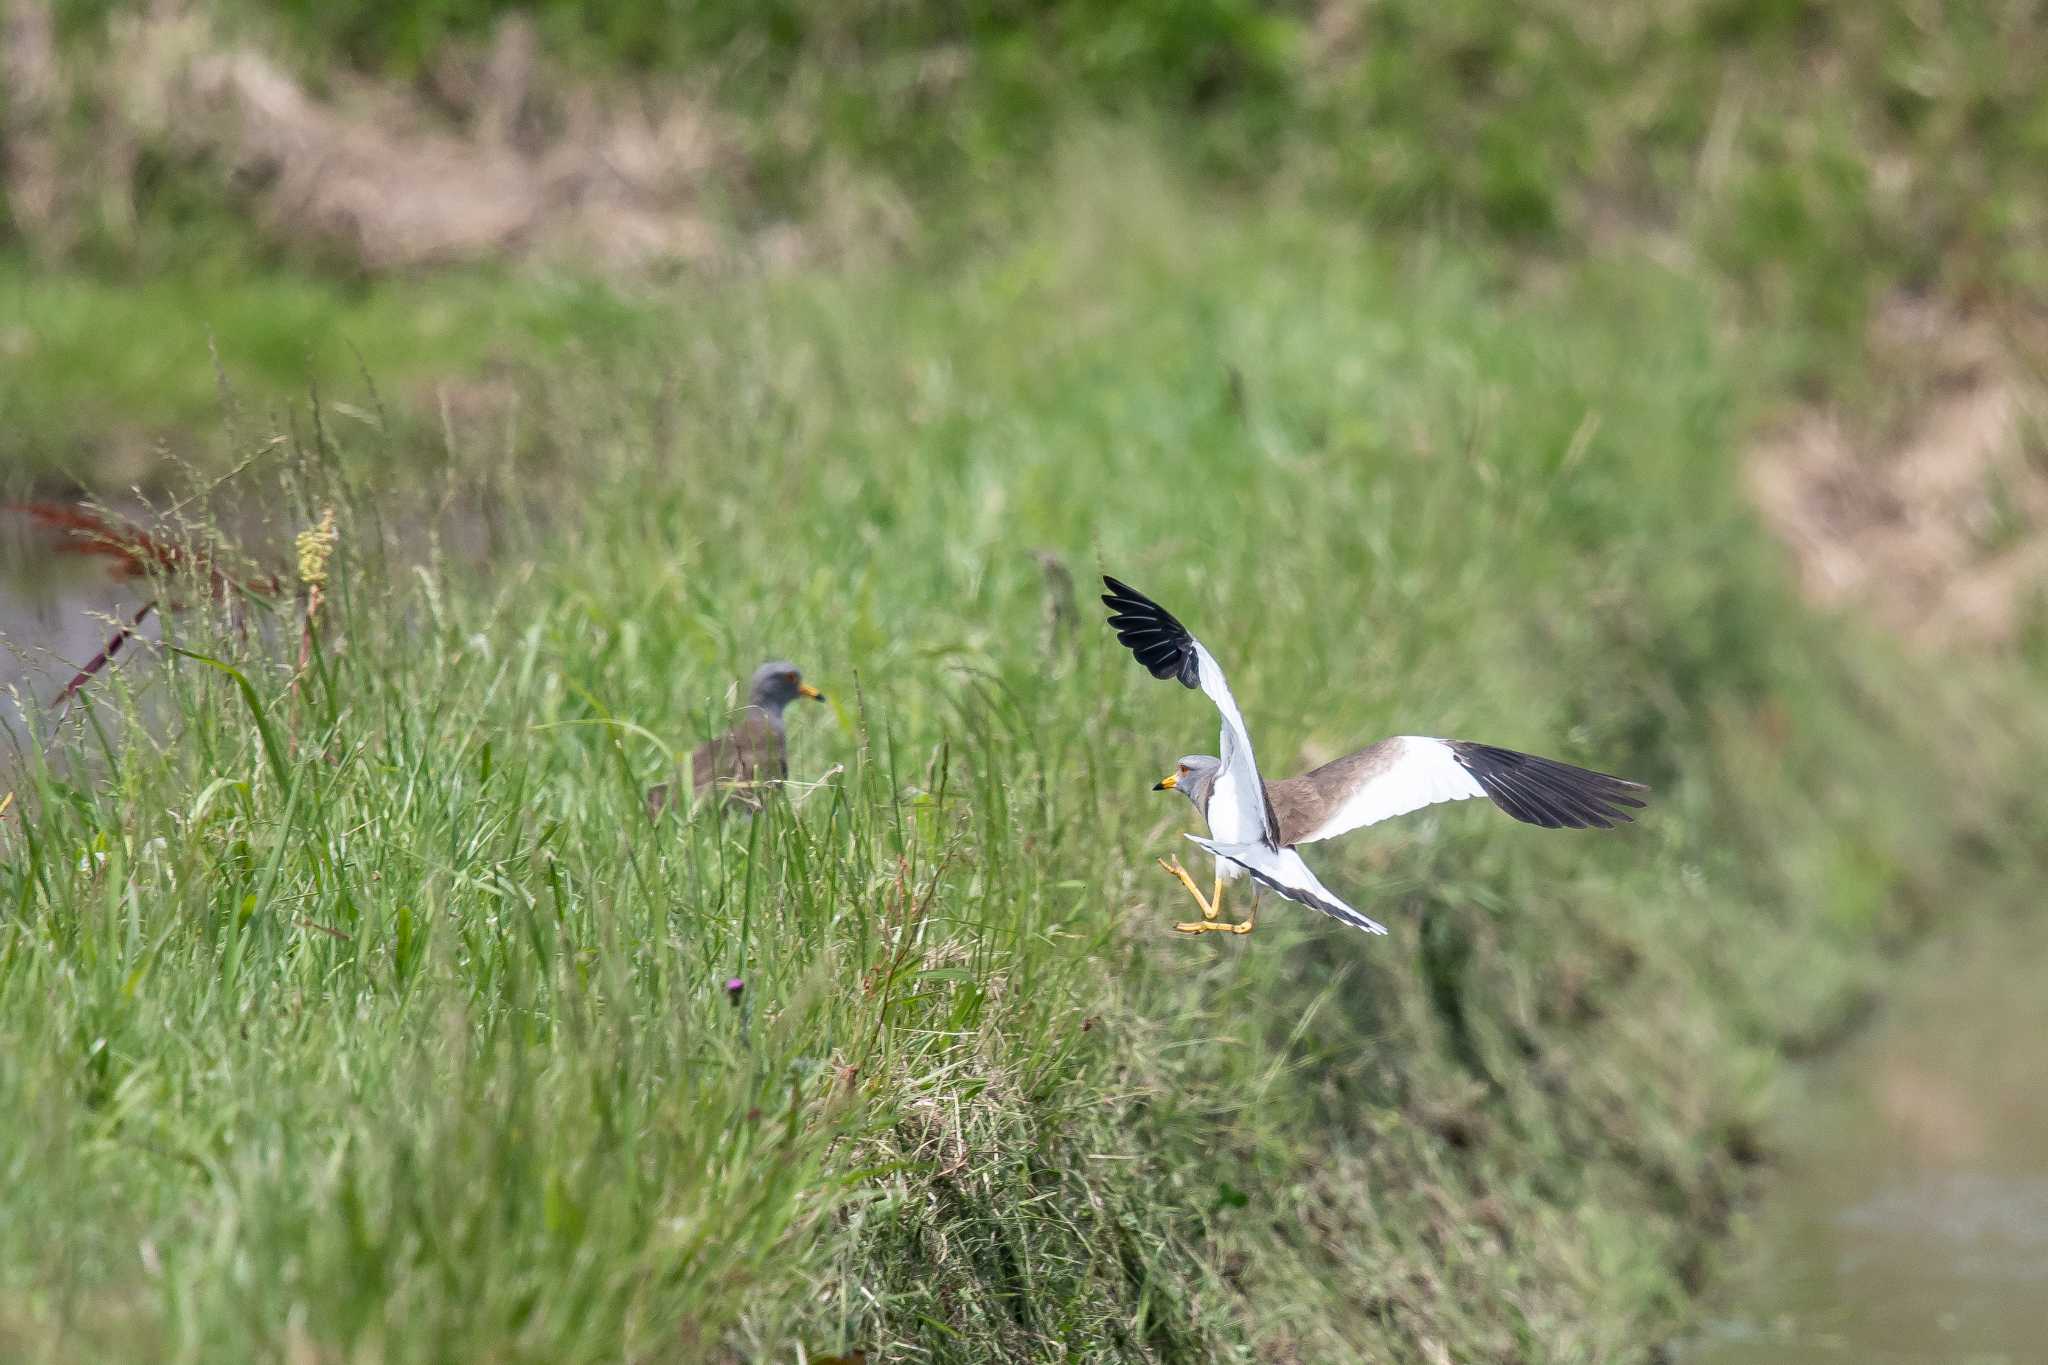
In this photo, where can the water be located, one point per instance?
(56, 612)
(1909, 1222)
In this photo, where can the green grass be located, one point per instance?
(102, 369)
(363, 1017)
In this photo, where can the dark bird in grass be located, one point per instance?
(1255, 825)
(754, 754)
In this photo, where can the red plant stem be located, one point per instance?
(100, 660)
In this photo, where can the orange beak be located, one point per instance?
(804, 689)
(1167, 783)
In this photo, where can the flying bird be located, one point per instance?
(755, 751)
(1254, 825)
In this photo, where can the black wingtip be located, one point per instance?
(1161, 643)
(1542, 791)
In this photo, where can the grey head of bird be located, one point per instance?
(1193, 777)
(776, 684)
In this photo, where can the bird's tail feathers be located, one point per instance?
(1281, 870)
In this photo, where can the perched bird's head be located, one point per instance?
(776, 684)
(1193, 777)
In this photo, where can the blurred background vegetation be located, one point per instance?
(1812, 160)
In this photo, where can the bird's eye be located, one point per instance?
(1183, 767)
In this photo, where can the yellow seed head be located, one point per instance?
(316, 544)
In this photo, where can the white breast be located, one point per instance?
(1227, 825)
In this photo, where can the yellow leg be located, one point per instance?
(1212, 908)
(1180, 874)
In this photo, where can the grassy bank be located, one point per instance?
(1819, 152)
(359, 1015)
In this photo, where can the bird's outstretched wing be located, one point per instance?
(1238, 809)
(1283, 871)
(1408, 772)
